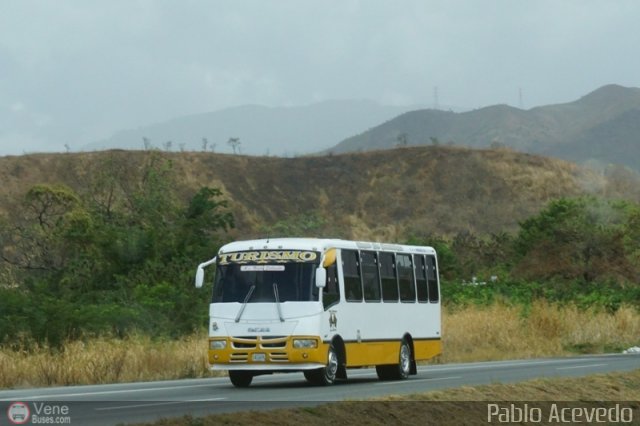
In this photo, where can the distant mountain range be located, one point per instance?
(281, 131)
(603, 126)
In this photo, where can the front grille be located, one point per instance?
(278, 357)
(239, 357)
(243, 345)
(250, 343)
(270, 342)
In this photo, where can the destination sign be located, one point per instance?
(268, 256)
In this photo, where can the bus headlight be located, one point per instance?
(305, 343)
(217, 344)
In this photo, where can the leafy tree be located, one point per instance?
(36, 239)
(582, 238)
(632, 236)
(115, 256)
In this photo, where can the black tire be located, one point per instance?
(240, 379)
(383, 372)
(326, 375)
(402, 369)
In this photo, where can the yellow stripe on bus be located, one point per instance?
(387, 352)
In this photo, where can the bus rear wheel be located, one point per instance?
(240, 379)
(326, 375)
(399, 371)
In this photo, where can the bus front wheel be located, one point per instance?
(240, 379)
(326, 375)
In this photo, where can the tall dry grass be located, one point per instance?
(105, 360)
(498, 331)
(491, 332)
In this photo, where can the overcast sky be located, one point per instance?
(72, 72)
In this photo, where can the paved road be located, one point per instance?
(137, 402)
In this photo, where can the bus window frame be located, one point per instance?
(412, 278)
(376, 269)
(432, 263)
(423, 275)
(393, 256)
(344, 277)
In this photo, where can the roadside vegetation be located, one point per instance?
(112, 257)
(96, 278)
(473, 333)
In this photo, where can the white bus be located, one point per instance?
(321, 306)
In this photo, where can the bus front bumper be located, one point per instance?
(267, 353)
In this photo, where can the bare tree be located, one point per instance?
(168, 145)
(402, 139)
(147, 143)
(182, 146)
(205, 142)
(235, 144)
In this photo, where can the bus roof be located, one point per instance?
(319, 244)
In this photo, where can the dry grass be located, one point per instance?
(473, 334)
(448, 189)
(105, 360)
(499, 331)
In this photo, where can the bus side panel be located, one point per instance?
(425, 349)
(380, 353)
(372, 353)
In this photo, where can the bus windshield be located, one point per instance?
(291, 281)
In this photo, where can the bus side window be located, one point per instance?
(331, 292)
(420, 268)
(389, 277)
(405, 278)
(370, 276)
(351, 273)
(432, 275)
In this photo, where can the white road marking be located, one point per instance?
(58, 395)
(407, 382)
(580, 366)
(119, 407)
(495, 366)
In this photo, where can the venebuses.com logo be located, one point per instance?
(18, 413)
(56, 413)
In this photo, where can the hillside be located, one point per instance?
(602, 126)
(282, 131)
(379, 195)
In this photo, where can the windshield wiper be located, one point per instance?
(246, 300)
(275, 293)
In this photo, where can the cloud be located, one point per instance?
(94, 67)
(17, 107)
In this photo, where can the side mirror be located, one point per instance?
(199, 277)
(321, 277)
(200, 272)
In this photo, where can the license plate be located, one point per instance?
(259, 357)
